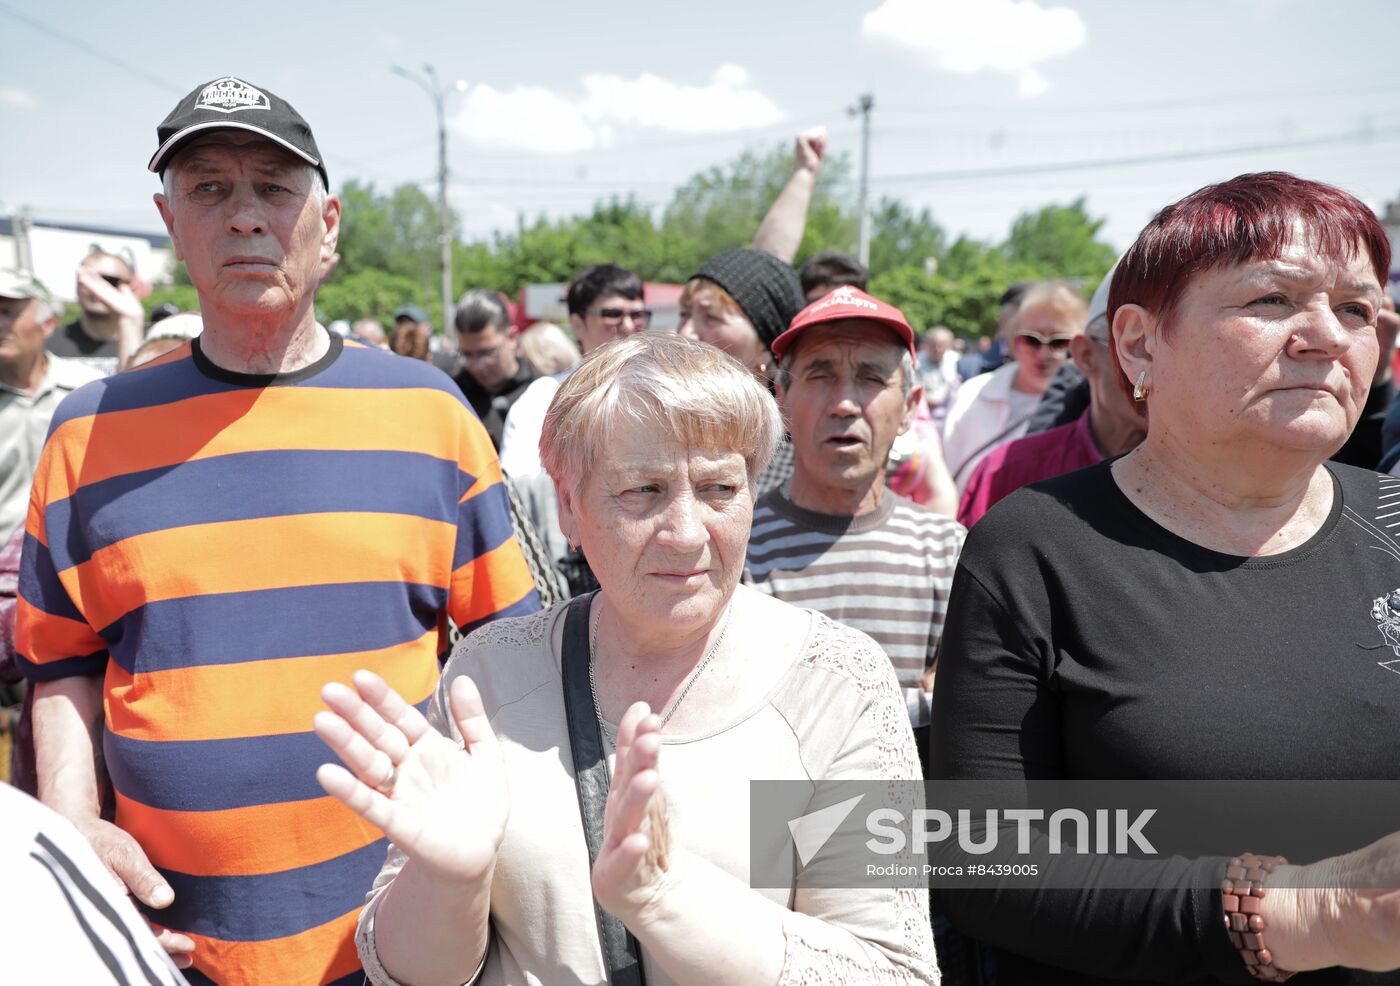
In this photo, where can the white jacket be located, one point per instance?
(980, 413)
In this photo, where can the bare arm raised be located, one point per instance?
(781, 231)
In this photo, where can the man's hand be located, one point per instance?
(811, 148)
(120, 299)
(780, 233)
(124, 305)
(127, 862)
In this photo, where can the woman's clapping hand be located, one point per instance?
(445, 806)
(635, 862)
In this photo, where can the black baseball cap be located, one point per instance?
(230, 103)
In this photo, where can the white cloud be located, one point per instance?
(15, 98)
(526, 118)
(532, 118)
(1010, 36)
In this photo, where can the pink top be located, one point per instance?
(1027, 460)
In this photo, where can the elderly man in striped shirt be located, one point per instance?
(215, 535)
(836, 540)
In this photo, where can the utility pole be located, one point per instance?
(24, 254)
(437, 93)
(863, 106)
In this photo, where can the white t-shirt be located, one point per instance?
(520, 435)
(65, 918)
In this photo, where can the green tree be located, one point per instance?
(182, 296)
(721, 208)
(395, 234)
(901, 238)
(389, 252)
(365, 293)
(962, 294)
(619, 231)
(1061, 240)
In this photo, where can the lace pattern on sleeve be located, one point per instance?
(855, 656)
(514, 631)
(810, 964)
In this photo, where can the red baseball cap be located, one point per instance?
(844, 303)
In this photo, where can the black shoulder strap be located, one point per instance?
(620, 952)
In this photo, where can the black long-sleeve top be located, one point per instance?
(1085, 641)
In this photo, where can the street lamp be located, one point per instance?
(437, 92)
(862, 109)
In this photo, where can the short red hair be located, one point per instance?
(1235, 222)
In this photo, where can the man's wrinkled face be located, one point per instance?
(244, 217)
(844, 401)
(21, 334)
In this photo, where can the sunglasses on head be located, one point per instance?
(1059, 345)
(641, 316)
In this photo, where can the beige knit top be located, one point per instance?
(836, 713)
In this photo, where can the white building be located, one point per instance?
(52, 250)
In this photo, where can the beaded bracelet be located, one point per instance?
(1242, 893)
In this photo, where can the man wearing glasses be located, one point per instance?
(994, 408)
(605, 303)
(112, 323)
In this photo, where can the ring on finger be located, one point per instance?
(386, 788)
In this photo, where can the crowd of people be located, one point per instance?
(332, 656)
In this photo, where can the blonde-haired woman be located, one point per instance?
(653, 444)
(994, 408)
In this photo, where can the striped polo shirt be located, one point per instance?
(220, 546)
(886, 573)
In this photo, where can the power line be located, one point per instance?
(337, 160)
(1379, 135)
(98, 53)
(1334, 140)
(1224, 99)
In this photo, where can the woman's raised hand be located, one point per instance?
(445, 806)
(635, 859)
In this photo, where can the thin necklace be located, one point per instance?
(699, 668)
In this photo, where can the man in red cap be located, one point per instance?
(836, 540)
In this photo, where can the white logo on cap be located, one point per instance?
(229, 95)
(844, 295)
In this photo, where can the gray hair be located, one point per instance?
(674, 388)
(480, 309)
(548, 348)
(906, 369)
(318, 184)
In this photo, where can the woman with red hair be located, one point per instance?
(1220, 603)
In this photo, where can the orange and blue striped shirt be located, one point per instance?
(220, 546)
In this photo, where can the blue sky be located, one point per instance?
(984, 108)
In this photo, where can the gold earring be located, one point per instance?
(1140, 388)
